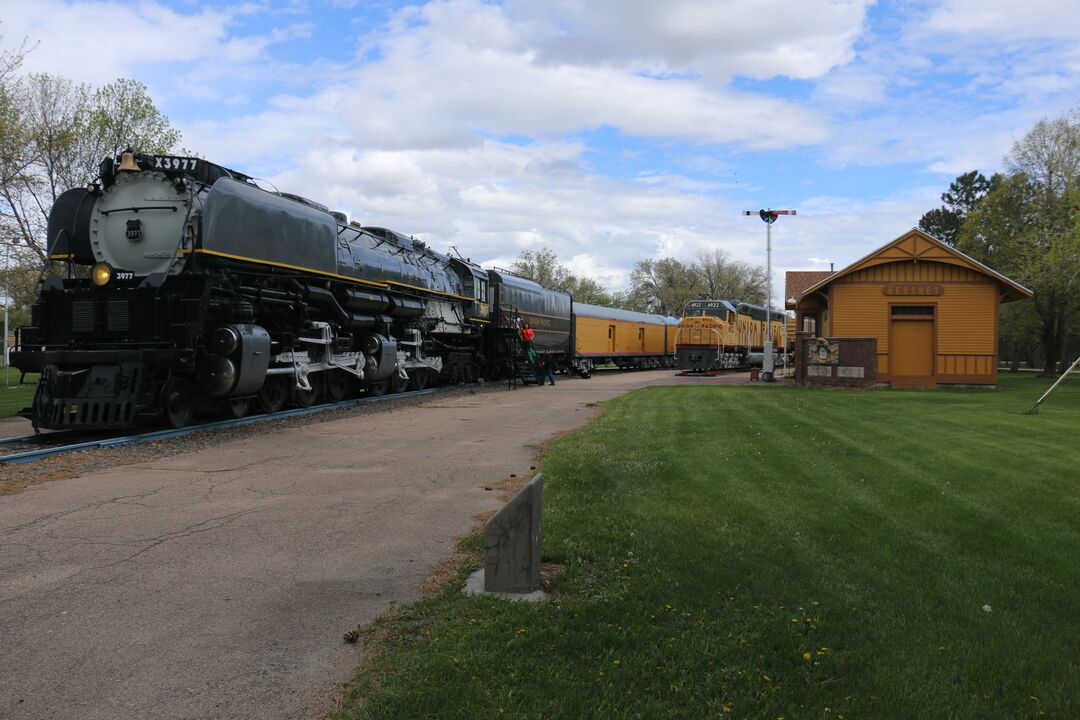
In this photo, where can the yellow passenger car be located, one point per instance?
(625, 338)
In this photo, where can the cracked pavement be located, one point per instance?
(218, 583)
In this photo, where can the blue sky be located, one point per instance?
(608, 130)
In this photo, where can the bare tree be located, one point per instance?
(728, 279)
(663, 286)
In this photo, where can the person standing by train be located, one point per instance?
(549, 368)
(527, 334)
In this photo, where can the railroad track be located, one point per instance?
(13, 451)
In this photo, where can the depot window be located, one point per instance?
(910, 311)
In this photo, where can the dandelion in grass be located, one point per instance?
(807, 656)
(766, 678)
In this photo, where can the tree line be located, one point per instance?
(1025, 223)
(661, 286)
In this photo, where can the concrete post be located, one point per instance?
(512, 542)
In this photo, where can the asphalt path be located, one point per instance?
(218, 583)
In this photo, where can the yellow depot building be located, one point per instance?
(932, 309)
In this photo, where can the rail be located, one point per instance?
(110, 442)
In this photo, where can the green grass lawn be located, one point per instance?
(13, 396)
(766, 552)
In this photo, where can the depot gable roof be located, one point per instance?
(917, 245)
(796, 282)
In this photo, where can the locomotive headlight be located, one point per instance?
(101, 274)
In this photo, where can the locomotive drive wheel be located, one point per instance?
(307, 398)
(397, 384)
(338, 385)
(376, 389)
(272, 395)
(177, 401)
(237, 408)
(418, 380)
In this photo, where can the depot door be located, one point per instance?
(911, 346)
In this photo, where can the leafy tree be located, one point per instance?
(664, 286)
(658, 286)
(13, 136)
(53, 135)
(587, 290)
(543, 266)
(963, 195)
(1029, 228)
(122, 115)
(62, 131)
(728, 279)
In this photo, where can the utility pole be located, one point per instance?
(768, 363)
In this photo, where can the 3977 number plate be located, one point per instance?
(168, 162)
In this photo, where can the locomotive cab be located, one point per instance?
(474, 285)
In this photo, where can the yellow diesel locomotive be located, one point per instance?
(722, 334)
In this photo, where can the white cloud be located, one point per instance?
(451, 68)
(756, 38)
(82, 41)
(1007, 19)
(98, 41)
(470, 123)
(854, 87)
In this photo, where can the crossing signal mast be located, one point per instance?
(768, 365)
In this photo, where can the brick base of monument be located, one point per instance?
(835, 362)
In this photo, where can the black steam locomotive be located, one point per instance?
(183, 285)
